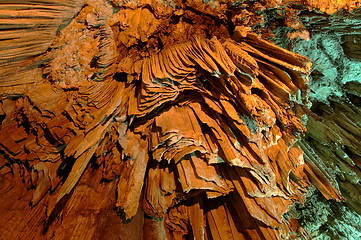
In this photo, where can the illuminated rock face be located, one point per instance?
(154, 120)
(333, 137)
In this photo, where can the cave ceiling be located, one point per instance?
(149, 119)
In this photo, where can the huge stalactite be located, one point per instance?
(164, 120)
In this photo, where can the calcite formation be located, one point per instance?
(155, 120)
(333, 136)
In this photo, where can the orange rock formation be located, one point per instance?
(149, 119)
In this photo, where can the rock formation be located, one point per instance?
(168, 120)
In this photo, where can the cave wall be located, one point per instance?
(332, 44)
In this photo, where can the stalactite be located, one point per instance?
(161, 120)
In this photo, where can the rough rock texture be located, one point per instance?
(334, 130)
(155, 120)
(333, 137)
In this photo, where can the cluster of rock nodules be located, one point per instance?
(196, 127)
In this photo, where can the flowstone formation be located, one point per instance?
(160, 120)
(333, 137)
